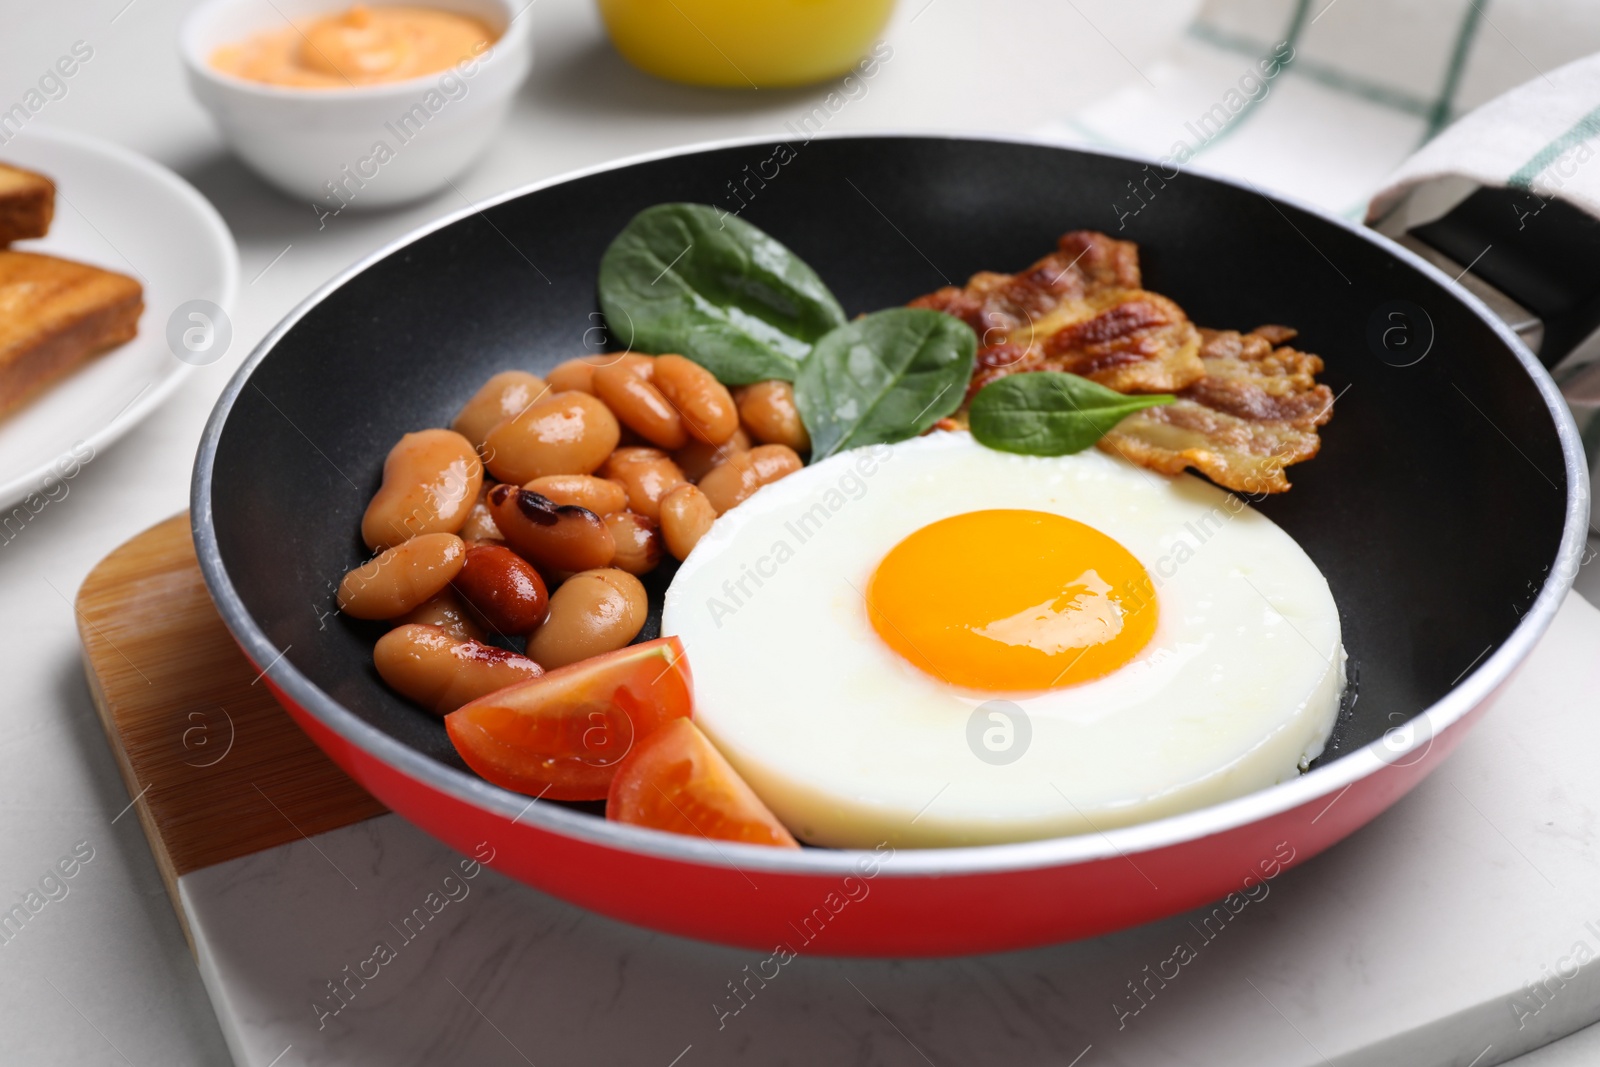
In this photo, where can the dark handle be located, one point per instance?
(1543, 253)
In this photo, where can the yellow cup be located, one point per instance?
(744, 43)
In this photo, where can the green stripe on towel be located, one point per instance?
(1323, 74)
(1440, 113)
(1581, 131)
(1297, 23)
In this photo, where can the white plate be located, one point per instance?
(122, 212)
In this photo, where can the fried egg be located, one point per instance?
(934, 643)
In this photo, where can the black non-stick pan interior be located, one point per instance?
(1434, 509)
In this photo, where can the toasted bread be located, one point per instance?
(27, 204)
(54, 315)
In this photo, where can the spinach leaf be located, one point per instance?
(885, 377)
(1048, 413)
(687, 278)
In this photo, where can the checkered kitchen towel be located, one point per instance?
(1539, 137)
(1324, 99)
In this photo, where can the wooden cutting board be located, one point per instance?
(217, 768)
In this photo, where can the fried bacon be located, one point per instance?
(1084, 263)
(1248, 405)
(1135, 342)
(1080, 309)
(1254, 413)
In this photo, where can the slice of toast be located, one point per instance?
(27, 204)
(54, 315)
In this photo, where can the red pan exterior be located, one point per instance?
(875, 912)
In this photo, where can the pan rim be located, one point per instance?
(1466, 695)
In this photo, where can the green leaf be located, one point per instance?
(883, 378)
(1047, 413)
(690, 279)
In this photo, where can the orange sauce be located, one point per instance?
(361, 46)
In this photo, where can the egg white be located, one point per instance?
(851, 745)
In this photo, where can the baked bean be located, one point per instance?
(697, 457)
(686, 515)
(648, 474)
(568, 433)
(559, 537)
(504, 588)
(578, 374)
(731, 483)
(583, 490)
(705, 405)
(638, 542)
(502, 397)
(430, 482)
(767, 411)
(440, 672)
(774, 462)
(447, 611)
(480, 525)
(403, 577)
(593, 612)
(639, 405)
(735, 481)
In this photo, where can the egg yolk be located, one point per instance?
(1012, 600)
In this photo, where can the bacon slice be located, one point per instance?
(1248, 406)
(1080, 309)
(1084, 262)
(1254, 413)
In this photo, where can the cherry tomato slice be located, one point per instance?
(676, 780)
(563, 735)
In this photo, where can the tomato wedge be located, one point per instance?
(563, 735)
(675, 780)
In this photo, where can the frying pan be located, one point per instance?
(1446, 510)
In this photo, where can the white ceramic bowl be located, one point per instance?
(362, 147)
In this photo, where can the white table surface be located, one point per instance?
(103, 975)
